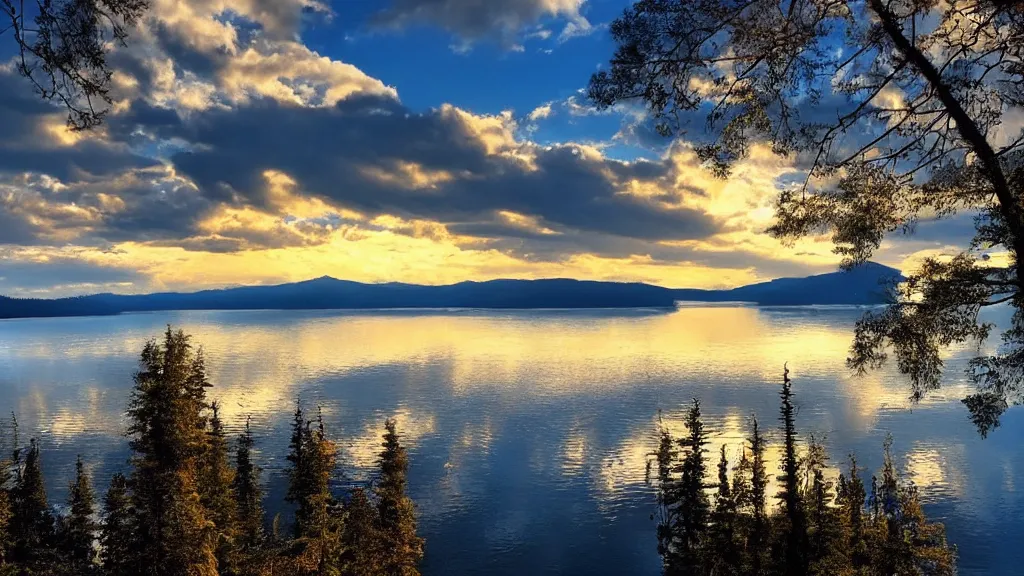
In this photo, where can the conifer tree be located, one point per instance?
(668, 493)
(851, 497)
(759, 539)
(396, 510)
(118, 533)
(248, 492)
(298, 480)
(361, 538)
(175, 533)
(827, 532)
(722, 554)
(910, 544)
(317, 525)
(32, 524)
(79, 537)
(795, 529)
(216, 494)
(694, 507)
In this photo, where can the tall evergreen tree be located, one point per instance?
(298, 477)
(175, 532)
(722, 552)
(668, 493)
(795, 529)
(216, 494)
(32, 524)
(317, 523)
(397, 512)
(79, 535)
(248, 492)
(694, 507)
(850, 498)
(827, 532)
(759, 538)
(119, 555)
(361, 538)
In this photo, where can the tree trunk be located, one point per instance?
(1009, 206)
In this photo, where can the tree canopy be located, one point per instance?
(897, 111)
(62, 48)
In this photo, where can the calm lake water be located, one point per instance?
(528, 431)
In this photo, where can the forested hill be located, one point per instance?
(863, 285)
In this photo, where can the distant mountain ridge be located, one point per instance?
(864, 285)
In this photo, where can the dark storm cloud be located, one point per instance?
(501, 20)
(26, 147)
(339, 153)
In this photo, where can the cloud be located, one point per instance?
(503, 21)
(371, 155)
(35, 272)
(540, 112)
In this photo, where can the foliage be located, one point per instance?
(819, 527)
(397, 515)
(897, 111)
(62, 50)
(185, 511)
(78, 530)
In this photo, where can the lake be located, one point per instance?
(528, 431)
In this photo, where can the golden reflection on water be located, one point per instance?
(259, 364)
(569, 398)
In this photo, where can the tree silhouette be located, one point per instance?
(62, 48)
(32, 524)
(248, 494)
(117, 535)
(80, 527)
(795, 543)
(916, 94)
(836, 536)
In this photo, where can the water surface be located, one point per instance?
(528, 431)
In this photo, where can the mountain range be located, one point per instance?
(863, 285)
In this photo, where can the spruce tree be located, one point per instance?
(298, 477)
(795, 529)
(361, 537)
(119, 555)
(694, 507)
(760, 531)
(404, 549)
(248, 493)
(828, 551)
(32, 524)
(722, 554)
(216, 494)
(850, 498)
(317, 521)
(175, 532)
(79, 537)
(668, 494)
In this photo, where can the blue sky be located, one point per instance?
(429, 141)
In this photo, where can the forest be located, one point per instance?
(722, 525)
(192, 502)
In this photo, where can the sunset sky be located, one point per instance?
(427, 141)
